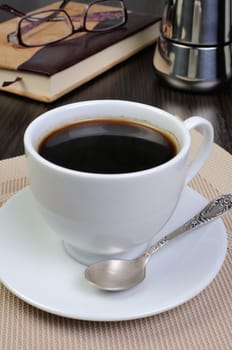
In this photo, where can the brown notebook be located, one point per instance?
(47, 73)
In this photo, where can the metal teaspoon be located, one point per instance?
(118, 274)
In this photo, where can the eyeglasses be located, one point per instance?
(43, 28)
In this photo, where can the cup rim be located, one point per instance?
(30, 149)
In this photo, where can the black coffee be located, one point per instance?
(108, 147)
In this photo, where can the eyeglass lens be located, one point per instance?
(44, 27)
(106, 17)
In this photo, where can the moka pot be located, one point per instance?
(193, 51)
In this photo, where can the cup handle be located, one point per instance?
(206, 129)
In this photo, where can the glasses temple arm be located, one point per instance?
(11, 10)
(63, 4)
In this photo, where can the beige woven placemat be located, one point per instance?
(203, 323)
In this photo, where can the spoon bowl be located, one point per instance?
(118, 274)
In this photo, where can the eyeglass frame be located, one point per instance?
(16, 36)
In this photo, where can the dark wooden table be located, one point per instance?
(133, 80)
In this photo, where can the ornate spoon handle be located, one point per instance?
(215, 208)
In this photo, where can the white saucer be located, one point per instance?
(35, 267)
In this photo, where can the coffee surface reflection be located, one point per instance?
(108, 146)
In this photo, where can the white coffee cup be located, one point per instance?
(100, 216)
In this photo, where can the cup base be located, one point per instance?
(87, 259)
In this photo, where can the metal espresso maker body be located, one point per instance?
(193, 51)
